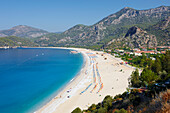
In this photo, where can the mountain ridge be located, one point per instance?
(110, 27)
(23, 31)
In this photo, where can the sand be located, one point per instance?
(111, 75)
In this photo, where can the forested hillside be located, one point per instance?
(15, 41)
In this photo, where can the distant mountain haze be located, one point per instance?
(23, 31)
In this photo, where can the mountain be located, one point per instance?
(58, 32)
(162, 31)
(15, 41)
(114, 26)
(23, 31)
(135, 38)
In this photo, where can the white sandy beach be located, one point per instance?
(81, 92)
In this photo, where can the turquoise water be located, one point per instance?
(31, 77)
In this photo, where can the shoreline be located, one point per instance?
(112, 82)
(72, 81)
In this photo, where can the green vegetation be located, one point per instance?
(135, 81)
(15, 41)
(77, 110)
(121, 111)
(157, 70)
(162, 31)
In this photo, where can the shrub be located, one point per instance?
(121, 111)
(77, 110)
(107, 102)
(92, 107)
(148, 76)
(117, 96)
(160, 104)
(101, 110)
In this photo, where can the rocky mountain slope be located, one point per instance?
(114, 26)
(23, 31)
(134, 38)
(162, 31)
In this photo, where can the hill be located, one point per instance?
(23, 31)
(162, 31)
(134, 38)
(15, 41)
(112, 27)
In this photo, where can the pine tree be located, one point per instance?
(148, 76)
(157, 66)
(166, 62)
(135, 82)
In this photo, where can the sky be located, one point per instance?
(60, 15)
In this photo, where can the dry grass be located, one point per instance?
(166, 96)
(160, 104)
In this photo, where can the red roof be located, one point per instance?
(163, 47)
(152, 52)
(163, 52)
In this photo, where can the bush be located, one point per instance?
(107, 102)
(118, 96)
(121, 111)
(160, 104)
(148, 76)
(102, 110)
(77, 110)
(92, 107)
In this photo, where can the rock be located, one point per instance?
(136, 38)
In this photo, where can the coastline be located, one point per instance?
(114, 81)
(77, 78)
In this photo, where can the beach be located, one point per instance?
(100, 76)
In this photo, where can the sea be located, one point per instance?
(31, 77)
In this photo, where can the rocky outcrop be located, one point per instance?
(136, 38)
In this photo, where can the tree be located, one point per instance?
(157, 67)
(107, 102)
(135, 82)
(163, 75)
(101, 110)
(121, 111)
(77, 110)
(142, 63)
(166, 62)
(148, 76)
(149, 63)
(92, 107)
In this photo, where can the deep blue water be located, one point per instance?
(31, 77)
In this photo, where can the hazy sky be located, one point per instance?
(60, 15)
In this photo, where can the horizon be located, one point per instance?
(62, 17)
